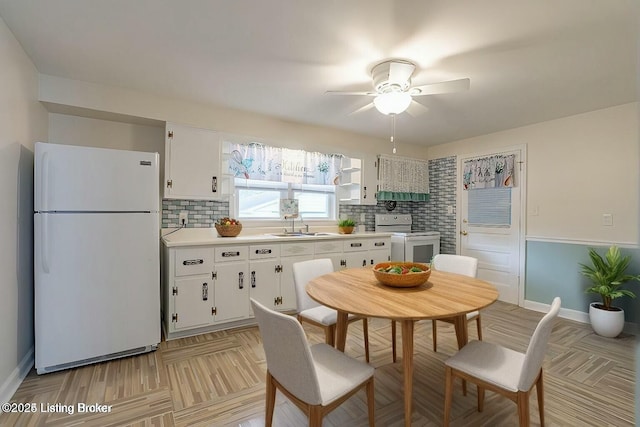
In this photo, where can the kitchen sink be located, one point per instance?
(299, 234)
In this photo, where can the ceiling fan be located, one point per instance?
(393, 91)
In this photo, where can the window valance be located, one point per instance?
(489, 172)
(266, 163)
(403, 178)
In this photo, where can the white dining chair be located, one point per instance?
(502, 370)
(317, 378)
(315, 313)
(458, 264)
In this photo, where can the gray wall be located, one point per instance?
(23, 121)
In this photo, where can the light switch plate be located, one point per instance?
(607, 219)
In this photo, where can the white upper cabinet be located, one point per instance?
(359, 181)
(192, 166)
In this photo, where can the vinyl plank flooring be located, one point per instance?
(217, 379)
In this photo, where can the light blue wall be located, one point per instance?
(552, 270)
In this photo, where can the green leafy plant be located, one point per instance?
(607, 275)
(346, 223)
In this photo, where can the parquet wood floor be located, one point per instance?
(217, 379)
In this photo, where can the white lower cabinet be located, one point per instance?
(231, 283)
(208, 288)
(264, 274)
(379, 250)
(290, 253)
(192, 303)
(331, 249)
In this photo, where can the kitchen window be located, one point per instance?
(260, 200)
(264, 174)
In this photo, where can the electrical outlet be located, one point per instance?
(607, 219)
(184, 218)
(363, 217)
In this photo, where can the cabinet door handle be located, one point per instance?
(192, 261)
(378, 244)
(241, 280)
(205, 292)
(214, 184)
(253, 279)
(356, 245)
(263, 251)
(230, 254)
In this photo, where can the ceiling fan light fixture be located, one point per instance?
(392, 102)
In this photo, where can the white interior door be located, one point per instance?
(491, 230)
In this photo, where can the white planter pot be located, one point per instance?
(606, 323)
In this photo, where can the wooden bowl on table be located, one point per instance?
(406, 280)
(228, 230)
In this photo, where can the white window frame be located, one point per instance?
(287, 190)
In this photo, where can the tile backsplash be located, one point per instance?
(200, 213)
(431, 215)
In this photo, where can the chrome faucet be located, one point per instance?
(293, 221)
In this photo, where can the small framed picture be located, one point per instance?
(289, 208)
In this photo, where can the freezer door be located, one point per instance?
(97, 285)
(71, 178)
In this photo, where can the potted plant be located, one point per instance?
(607, 275)
(346, 226)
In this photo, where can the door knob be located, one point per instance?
(464, 233)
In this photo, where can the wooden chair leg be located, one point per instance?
(523, 408)
(393, 340)
(315, 416)
(434, 333)
(479, 325)
(371, 403)
(365, 332)
(448, 391)
(480, 399)
(330, 335)
(270, 400)
(540, 392)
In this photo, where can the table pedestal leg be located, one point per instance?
(341, 330)
(462, 334)
(407, 365)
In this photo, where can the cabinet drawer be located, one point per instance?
(292, 249)
(231, 253)
(327, 247)
(193, 261)
(264, 251)
(355, 245)
(384, 243)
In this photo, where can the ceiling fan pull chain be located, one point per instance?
(393, 134)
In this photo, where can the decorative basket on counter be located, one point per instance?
(228, 230)
(407, 280)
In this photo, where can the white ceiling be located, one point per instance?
(528, 60)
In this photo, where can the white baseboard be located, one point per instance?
(578, 316)
(11, 384)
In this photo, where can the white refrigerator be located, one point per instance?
(96, 255)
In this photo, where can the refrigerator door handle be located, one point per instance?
(44, 182)
(44, 243)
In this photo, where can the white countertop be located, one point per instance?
(209, 236)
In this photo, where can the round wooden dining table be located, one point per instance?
(444, 295)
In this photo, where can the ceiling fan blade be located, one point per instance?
(337, 92)
(364, 108)
(443, 87)
(400, 72)
(416, 109)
